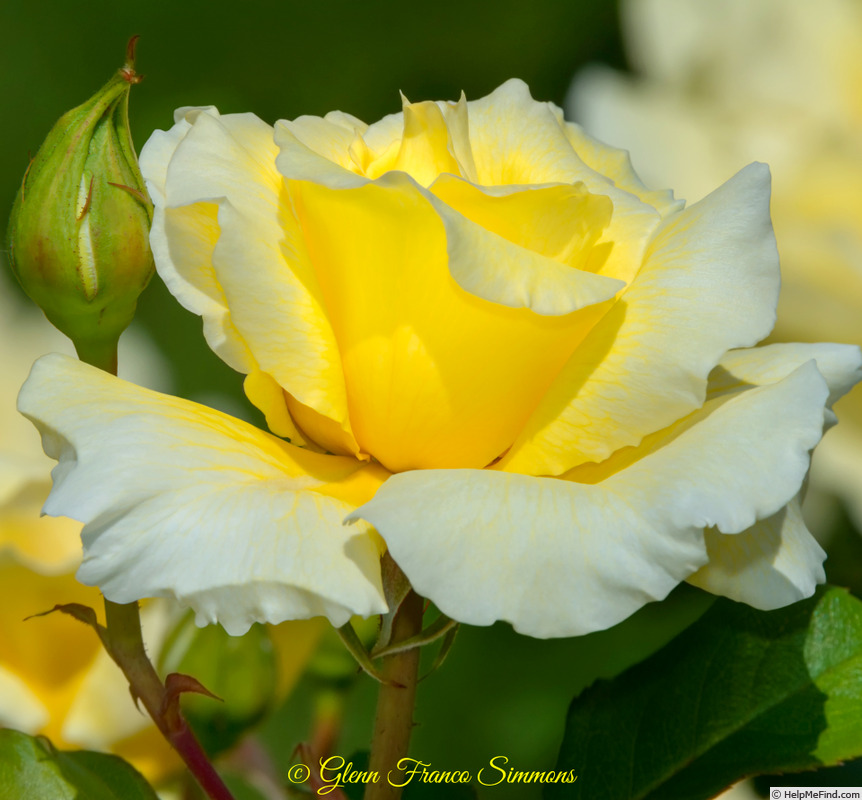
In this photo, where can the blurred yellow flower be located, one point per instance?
(485, 338)
(722, 83)
(54, 677)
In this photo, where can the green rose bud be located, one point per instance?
(78, 233)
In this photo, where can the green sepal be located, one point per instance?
(396, 587)
(436, 630)
(357, 649)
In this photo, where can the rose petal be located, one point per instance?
(709, 283)
(839, 364)
(773, 563)
(425, 362)
(526, 249)
(225, 238)
(20, 708)
(558, 558)
(183, 240)
(517, 140)
(183, 501)
(424, 150)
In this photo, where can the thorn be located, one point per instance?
(177, 684)
(136, 699)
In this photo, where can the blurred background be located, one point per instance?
(498, 693)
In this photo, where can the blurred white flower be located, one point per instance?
(725, 82)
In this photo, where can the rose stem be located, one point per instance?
(394, 721)
(125, 644)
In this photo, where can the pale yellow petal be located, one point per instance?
(228, 246)
(709, 283)
(771, 564)
(47, 545)
(559, 558)
(29, 645)
(531, 249)
(330, 136)
(424, 151)
(839, 364)
(20, 708)
(263, 391)
(616, 164)
(183, 501)
(517, 140)
(183, 239)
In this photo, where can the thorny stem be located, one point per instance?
(125, 645)
(124, 642)
(394, 721)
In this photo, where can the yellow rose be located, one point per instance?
(723, 82)
(492, 349)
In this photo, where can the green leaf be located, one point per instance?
(741, 692)
(30, 767)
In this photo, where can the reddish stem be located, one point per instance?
(185, 743)
(125, 645)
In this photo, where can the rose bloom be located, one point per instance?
(478, 338)
(721, 83)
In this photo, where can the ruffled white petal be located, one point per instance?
(772, 564)
(183, 501)
(517, 140)
(558, 558)
(228, 246)
(839, 364)
(183, 239)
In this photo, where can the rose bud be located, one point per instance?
(79, 228)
